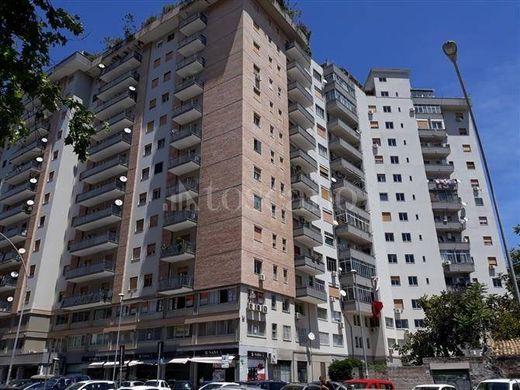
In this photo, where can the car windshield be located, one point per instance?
(152, 383)
(356, 386)
(493, 386)
(181, 385)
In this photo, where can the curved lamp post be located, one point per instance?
(450, 49)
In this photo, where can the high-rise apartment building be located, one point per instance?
(257, 213)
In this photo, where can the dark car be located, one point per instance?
(18, 384)
(181, 385)
(266, 385)
(301, 386)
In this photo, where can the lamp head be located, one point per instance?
(21, 251)
(450, 49)
(14, 274)
(101, 66)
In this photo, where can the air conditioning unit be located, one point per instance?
(446, 262)
(261, 277)
(332, 299)
(398, 311)
(251, 306)
(298, 316)
(334, 274)
(341, 325)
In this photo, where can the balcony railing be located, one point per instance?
(306, 204)
(192, 18)
(179, 216)
(37, 144)
(190, 59)
(112, 210)
(128, 57)
(178, 248)
(24, 167)
(181, 187)
(11, 232)
(102, 165)
(5, 307)
(96, 240)
(15, 210)
(128, 114)
(174, 162)
(109, 141)
(90, 269)
(7, 281)
(305, 179)
(176, 282)
(95, 297)
(116, 99)
(185, 132)
(113, 185)
(183, 108)
(18, 189)
(190, 39)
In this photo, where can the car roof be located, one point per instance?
(501, 380)
(435, 385)
(368, 380)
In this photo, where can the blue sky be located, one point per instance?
(363, 34)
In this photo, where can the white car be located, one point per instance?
(140, 387)
(499, 384)
(157, 383)
(219, 385)
(435, 386)
(131, 384)
(93, 385)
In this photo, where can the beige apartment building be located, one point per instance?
(221, 211)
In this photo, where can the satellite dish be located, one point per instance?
(30, 202)
(21, 251)
(343, 293)
(44, 140)
(39, 159)
(33, 180)
(311, 336)
(10, 299)
(101, 66)
(333, 179)
(127, 130)
(131, 88)
(14, 274)
(335, 223)
(123, 179)
(118, 202)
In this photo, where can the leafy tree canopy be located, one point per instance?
(341, 370)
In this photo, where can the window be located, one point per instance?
(316, 75)
(257, 268)
(407, 237)
(463, 131)
(165, 97)
(156, 193)
(155, 83)
(470, 164)
(389, 237)
(389, 125)
(59, 135)
(147, 149)
(285, 275)
(403, 216)
(256, 119)
(395, 280)
(372, 109)
(479, 202)
(374, 124)
(168, 56)
(459, 116)
(282, 188)
(409, 258)
(139, 225)
(41, 222)
(283, 216)
(161, 143)
(382, 79)
(133, 283)
(257, 202)
(273, 211)
(275, 272)
(383, 196)
(274, 240)
(167, 76)
(325, 193)
(392, 258)
(55, 155)
(387, 109)
(401, 324)
(497, 282)
(149, 127)
(27, 297)
(150, 249)
(323, 152)
(379, 159)
(32, 269)
(257, 173)
(286, 333)
(142, 199)
(416, 304)
(412, 281)
(466, 148)
(337, 340)
(256, 46)
(492, 261)
(284, 245)
(487, 240)
(386, 216)
(46, 198)
(394, 159)
(397, 178)
(37, 245)
(148, 280)
(438, 125)
(274, 331)
(384, 93)
(273, 183)
(163, 120)
(389, 323)
(257, 233)
(272, 157)
(156, 62)
(257, 146)
(320, 111)
(392, 142)
(152, 104)
(381, 178)
(399, 196)
(329, 239)
(50, 178)
(376, 141)
(419, 323)
(154, 220)
(483, 220)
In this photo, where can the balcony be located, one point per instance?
(18, 194)
(447, 185)
(115, 123)
(116, 104)
(178, 251)
(5, 309)
(305, 184)
(446, 203)
(296, 53)
(307, 234)
(184, 164)
(364, 273)
(85, 301)
(89, 272)
(182, 191)
(23, 172)
(187, 112)
(348, 253)
(193, 24)
(314, 294)
(14, 215)
(309, 265)
(122, 65)
(342, 148)
(432, 134)
(435, 151)
(176, 221)
(340, 129)
(190, 66)
(302, 138)
(354, 226)
(301, 159)
(104, 193)
(191, 45)
(185, 137)
(118, 85)
(457, 268)
(9, 260)
(110, 146)
(98, 243)
(340, 107)
(300, 115)
(438, 170)
(100, 218)
(306, 208)
(352, 190)
(348, 169)
(7, 284)
(298, 73)
(297, 93)
(105, 169)
(188, 89)
(448, 246)
(449, 226)
(28, 152)
(175, 285)
(16, 234)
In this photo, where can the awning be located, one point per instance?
(96, 364)
(111, 363)
(213, 317)
(134, 363)
(179, 361)
(201, 359)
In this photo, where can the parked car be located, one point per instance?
(181, 385)
(336, 385)
(93, 385)
(157, 383)
(18, 384)
(357, 384)
(130, 384)
(139, 388)
(499, 384)
(301, 386)
(266, 385)
(435, 386)
(219, 385)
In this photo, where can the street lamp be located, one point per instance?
(353, 272)
(121, 296)
(19, 253)
(311, 337)
(450, 49)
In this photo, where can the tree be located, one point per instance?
(28, 28)
(341, 370)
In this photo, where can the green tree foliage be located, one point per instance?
(28, 29)
(341, 370)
